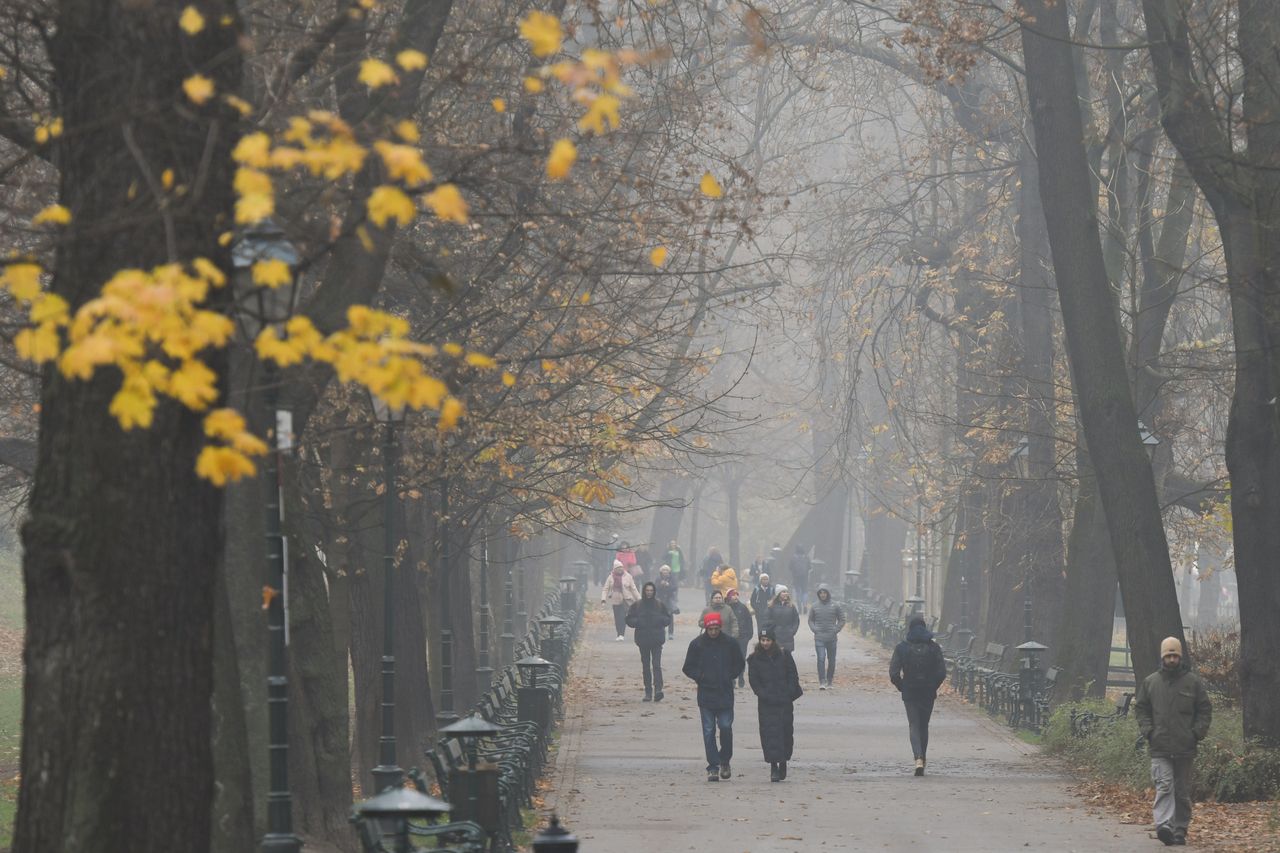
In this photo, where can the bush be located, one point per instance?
(1228, 768)
(1215, 653)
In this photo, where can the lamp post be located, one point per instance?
(508, 638)
(484, 672)
(388, 773)
(555, 839)
(262, 242)
(551, 641)
(395, 807)
(963, 632)
(446, 714)
(522, 613)
(484, 811)
(533, 703)
(568, 598)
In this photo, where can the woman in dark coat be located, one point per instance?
(772, 673)
(650, 619)
(783, 618)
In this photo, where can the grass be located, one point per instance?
(11, 624)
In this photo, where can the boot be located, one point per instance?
(782, 770)
(657, 697)
(648, 696)
(774, 776)
(725, 772)
(919, 766)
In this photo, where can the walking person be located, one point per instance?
(826, 618)
(800, 565)
(710, 564)
(650, 619)
(675, 559)
(724, 579)
(669, 594)
(620, 591)
(713, 662)
(1174, 713)
(772, 673)
(918, 670)
(761, 594)
(784, 619)
(728, 620)
(759, 566)
(746, 625)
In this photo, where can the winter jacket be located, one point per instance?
(784, 619)
(724, 579)
(776, 683)
(668, 589)
(746, 625)
(800, 565)
(825, 618)
(650, 619)
(918, 668)
(728, 622)
(1173, 711)
(760, 598)
(675, 559)
(629, 593)
(714, 663)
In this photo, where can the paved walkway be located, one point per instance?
(630, 775)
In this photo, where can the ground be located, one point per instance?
(630, 776)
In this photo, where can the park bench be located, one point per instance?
(972, 671)
(1082, 722)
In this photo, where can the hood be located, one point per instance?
(919, 634)
(822, 587)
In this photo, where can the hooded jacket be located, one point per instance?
(746, 625)
(728, 622)
(918, 672)
(1173, 711)
(826, 618)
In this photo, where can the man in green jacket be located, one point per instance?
(1173, 715)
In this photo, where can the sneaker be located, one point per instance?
(782, 771)
(648, 697)
(1179, 839)
(620, 638)
(822, 685)
(725, 772)
(657, 697)
(919, 766)
(713, 774)
(773, 772)
(1165, 833)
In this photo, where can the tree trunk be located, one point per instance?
(733, 489)
(668, 515)
(1103, 399)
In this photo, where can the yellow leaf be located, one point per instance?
(508, 379)
(710, 186)
(271, 273)
(499, 105)
(450, 413)
(365, 240)
(220, 465)
(387, 203)
(561, 160)
(191, 21)
(403, 162)
(194, 384)
(254, 150)
(270, 348)
(408, 131)
(54, 214)
(375, 73)
(198, 88)
(479, 359)
(134, 404)
(411, 60)
(533, 85)
(452, 349)
(223, 423)
(548, 365)
(22, 280)
(49, 308)
(166, 179)
(238, 104)
(209, 271)
(601, 116)
(658, 256)
(543, 33)
(447, 203)
(254, 207)
(39, 344)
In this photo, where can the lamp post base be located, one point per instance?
(281, 842)
(387, 776)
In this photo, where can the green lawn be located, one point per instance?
(11, 623)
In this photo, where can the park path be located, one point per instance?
(630, 776)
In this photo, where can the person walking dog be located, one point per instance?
(1174, 713)
(772, 673)
(650, 619)
(826, 618)
(918, 669)
(713, 662)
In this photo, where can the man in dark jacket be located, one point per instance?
(650, 619)
(800, 565)
(918, 670)
(713, 662)
(746, 627)
(826, 618)
(1174, 712)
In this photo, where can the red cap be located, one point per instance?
(711, 619)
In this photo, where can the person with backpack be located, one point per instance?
(918, 670)
(650, 619)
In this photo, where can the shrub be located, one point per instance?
(1215, 654)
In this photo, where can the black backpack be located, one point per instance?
(919, 664)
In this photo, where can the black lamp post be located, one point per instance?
(394, 808)
(555, 839)
(552, 639)
(484, 672)
(568, 598)
(446, 714)
(530, 667)
(522, 612)
(266, 241)
(508, 638)
(533, 703)
(963, 631)
(469, 731)
(388, 773)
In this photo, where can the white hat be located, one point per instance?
(780, 589)
(617, 564)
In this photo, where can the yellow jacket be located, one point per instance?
(724, 579)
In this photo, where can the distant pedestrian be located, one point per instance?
(710, 564)
(772, 673)
(784, 619)
(620, 591)
(761, 595)
(669, 594)
(746, 625)
(1174, 713)
(713, 662)
(758, 567)
(727, 618)
(800, 565)
(675, 559)
(650, 619)
(826, 618)
(724, 579)
(918, 670)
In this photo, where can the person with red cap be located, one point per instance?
(714, 661)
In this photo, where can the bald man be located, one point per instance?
(1173, 715)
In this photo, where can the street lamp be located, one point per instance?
(530, 667)
(555, 839)
(469, 731)
(266, 241)
(388, 773)
(394, 808)
(484, 672)
(551, 641)
(533, 703)
(568, 600)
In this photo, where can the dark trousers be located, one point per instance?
(651, 666)
(620, 619)
(918, 713)
(742, 646)
(711, 720)
(826, 659)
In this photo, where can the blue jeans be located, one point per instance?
(711, 720)
(826, 659)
